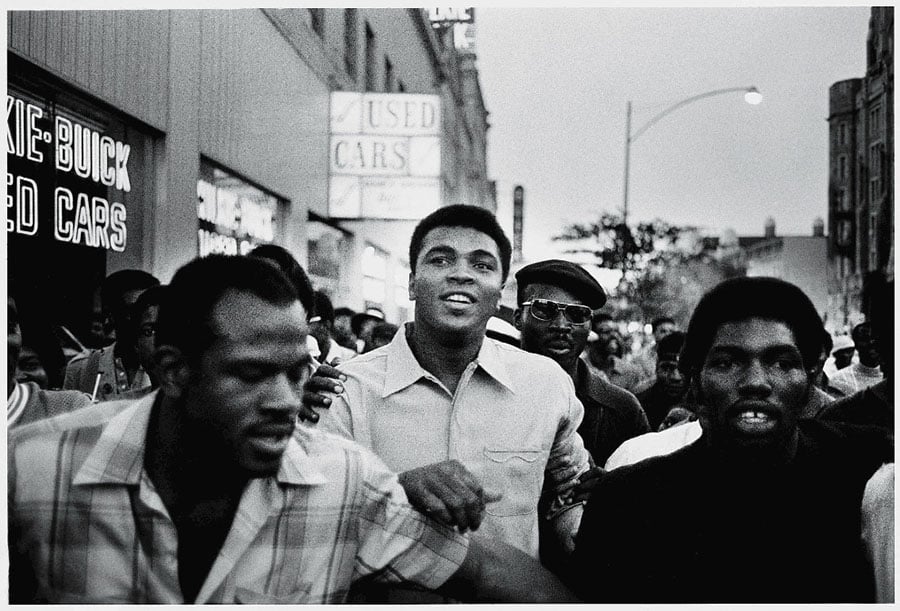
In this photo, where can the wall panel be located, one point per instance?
(120, 57)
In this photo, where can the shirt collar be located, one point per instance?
(491, 362)
(298, 468)
(118, 455)
(403, 369)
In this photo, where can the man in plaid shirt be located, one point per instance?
(200, 492)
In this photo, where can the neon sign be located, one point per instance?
(77, 217)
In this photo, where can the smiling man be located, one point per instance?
(474, 426)
(766, 507)
(202, 491)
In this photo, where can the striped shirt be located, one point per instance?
(87, 522)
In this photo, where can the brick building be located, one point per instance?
(861, 186)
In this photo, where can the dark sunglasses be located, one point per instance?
(546, 310)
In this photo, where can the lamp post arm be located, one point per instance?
(677, 105)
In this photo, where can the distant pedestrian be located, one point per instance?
(362, 324)
(343, 328)
(660, 327)
(670, 386)
(861, 375)
(112, 371)
(381, 335)
(27, 397)
(874, 405)
(605, 353)
(321, 327)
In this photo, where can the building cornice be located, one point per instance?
(430, 40)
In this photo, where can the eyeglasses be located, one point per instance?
(546, 310)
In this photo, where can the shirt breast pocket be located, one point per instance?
(517, 474)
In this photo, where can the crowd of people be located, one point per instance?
(236, 438)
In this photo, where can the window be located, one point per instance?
(326, 248)
(842, 168)
(317, 20)
(843, 203)
(873, 241)
(74, 213)
(846, 268)
(401, 288)
(388, 75)
(370, 59)
(233, 215)
(842, 134)
(844, 233)
(350, 41)
(874, 172)
(875, 119)
(374, 269)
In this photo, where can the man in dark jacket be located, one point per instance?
(670, 387)
(556, 300)
(766, 506)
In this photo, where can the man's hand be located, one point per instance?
(326, 379)
(586, 484)
(448, 492)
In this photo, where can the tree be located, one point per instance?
(666, 268)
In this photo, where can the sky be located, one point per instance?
(556, 83)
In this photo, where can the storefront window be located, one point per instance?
(374, 268)
(234, 216)
(401, 291)
(79, 183)
(327, 248)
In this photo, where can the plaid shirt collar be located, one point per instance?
(404, 370)
(118, 455)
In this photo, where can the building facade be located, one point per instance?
(800, 260)
(861, 186)
(141, 139)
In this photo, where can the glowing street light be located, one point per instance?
(751, 96)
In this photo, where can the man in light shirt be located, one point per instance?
(474, 426)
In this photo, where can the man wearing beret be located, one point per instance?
(555, 303)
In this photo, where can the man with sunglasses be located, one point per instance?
(556, 300)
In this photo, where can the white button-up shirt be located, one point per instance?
(512, 422)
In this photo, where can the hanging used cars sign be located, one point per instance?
(384, 155)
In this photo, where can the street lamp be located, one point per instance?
(751, 96)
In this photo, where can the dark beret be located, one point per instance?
(566, 275)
